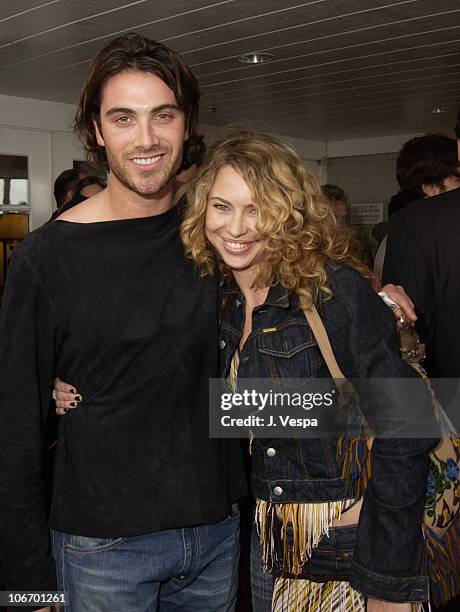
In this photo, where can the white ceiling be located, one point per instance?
(342, 69)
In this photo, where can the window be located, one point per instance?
(14, 206)
(14, 183)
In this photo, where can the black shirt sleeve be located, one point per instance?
(407, 265)
(28, 340)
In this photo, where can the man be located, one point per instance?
(423, 251)
(142, 514)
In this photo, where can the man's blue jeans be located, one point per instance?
(189, 570)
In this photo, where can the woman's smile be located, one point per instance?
(237, 247)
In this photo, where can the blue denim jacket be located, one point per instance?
(388, 558)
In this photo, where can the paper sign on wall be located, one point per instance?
(366, 214)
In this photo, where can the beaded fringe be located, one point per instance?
(354, 457)
(309, 523)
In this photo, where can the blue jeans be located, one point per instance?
(192, 570)
(261, 582)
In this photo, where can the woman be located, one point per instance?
(257, 218)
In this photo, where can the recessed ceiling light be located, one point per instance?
(255, 58)
(438, 110)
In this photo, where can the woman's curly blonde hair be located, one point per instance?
(295, 223)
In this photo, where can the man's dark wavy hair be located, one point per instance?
(457, 126)
(135, 52)
(426, 160)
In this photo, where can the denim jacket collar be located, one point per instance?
(278, 296)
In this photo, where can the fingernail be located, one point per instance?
(73, 404)
(78, 398)
(66, 410)
(73, 390)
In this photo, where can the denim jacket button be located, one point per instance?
(222, 344)
(271, 452)
(277, 491)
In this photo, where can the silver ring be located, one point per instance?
(53, 395)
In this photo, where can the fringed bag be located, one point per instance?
(441, 524)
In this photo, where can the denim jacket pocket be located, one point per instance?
(290, 353)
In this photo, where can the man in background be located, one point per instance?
(85, 188)
(423, 253)
(339, 202)
(65, 184)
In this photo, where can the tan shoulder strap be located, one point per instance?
(320, 333)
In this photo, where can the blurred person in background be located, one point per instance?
(83, 189)
(88, 186)
(64, 185)
(339, 201)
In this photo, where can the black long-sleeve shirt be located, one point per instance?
(115, 309)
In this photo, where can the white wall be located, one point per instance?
(367, 146)
(365, 178)
(36, 114)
